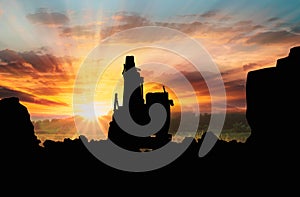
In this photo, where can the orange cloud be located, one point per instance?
(250, 66)
(39, 79)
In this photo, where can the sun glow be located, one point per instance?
(89, 121)
(92, 111)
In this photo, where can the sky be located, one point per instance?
(44, 45)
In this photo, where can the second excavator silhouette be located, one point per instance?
(133, 102)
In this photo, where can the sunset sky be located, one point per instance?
(43, 44)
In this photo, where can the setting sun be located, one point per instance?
(87, 112)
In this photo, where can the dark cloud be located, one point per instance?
(243, 23)
(7, 92)
(273, 19)
(216, 14)
(130, 18)
(235, 86)
(188, 28)
(236, 105)
(274, 37)
(30, 62)
(12, 62)
(9, 56)
(296, 28)
(43, 17)
(235, 95)
(43, 63)
(43, 50)
(16, 69)
(124, 21)
(210, 14)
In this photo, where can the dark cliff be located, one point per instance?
(18, 137)
(272, 103)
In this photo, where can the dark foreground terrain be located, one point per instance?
(266, 162)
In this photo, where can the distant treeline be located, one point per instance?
(235, 127)
(234, 122)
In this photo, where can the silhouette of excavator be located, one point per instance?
(133, 100)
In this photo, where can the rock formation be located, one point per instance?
(17, 131)
(272, 100)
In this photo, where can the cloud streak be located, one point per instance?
(274, 37)
(296, 29)
(23, 96)
(79, 31)
(273, 19)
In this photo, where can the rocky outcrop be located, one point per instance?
(17, 132)
(272, 101)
